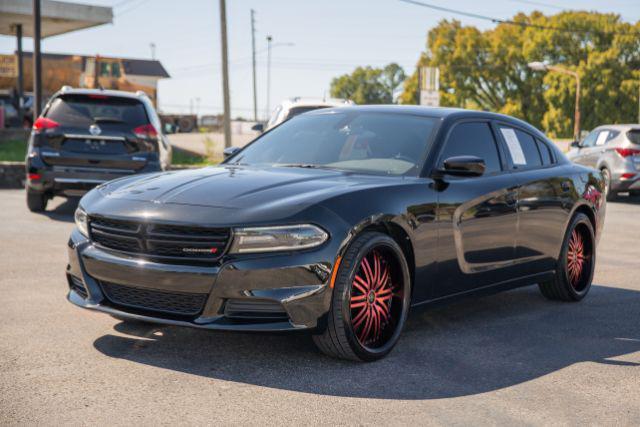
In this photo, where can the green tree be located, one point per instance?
(488, 69)
(368, 85)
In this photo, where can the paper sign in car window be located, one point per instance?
(514, 146)
(602, 137)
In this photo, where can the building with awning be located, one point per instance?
(39, 19)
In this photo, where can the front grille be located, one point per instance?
(76, 285)
(173, 243)
(178, 303)
(254, 309)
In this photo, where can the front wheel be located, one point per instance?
(574, 272)
(370, 300)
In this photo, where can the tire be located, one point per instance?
(577, 260)
(367, 316)
(609, 194)
(36, 202)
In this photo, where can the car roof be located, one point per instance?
(315, 102)
(621, 127)
(106, 92)
(419, 110)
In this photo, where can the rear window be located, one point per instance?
(84, 110)
(634, 136)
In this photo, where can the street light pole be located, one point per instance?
(541, 66)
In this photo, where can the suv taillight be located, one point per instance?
(146, 132)
(626, 152)
(43, 123)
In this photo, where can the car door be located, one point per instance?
(476, 216)
(543, 192)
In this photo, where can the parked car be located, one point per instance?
(85, 137)
(292, 107)
(337, 222)
(10, 103)
(614, 150)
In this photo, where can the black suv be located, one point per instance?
(85, 137)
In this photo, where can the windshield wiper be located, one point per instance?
(299, 165)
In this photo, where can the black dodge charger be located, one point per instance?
(338, 222)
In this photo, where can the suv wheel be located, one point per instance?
(609, 195)
(370, 301)
(36, 201)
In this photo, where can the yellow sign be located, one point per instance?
(8, 66)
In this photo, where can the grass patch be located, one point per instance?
(183, 157)
(13, 150)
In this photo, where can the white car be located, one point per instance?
(294, 106)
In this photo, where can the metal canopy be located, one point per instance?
(57, 17)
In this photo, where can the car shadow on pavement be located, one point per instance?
(63, 211)
(467, 348)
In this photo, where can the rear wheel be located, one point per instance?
(36, 201)
(609, 195)
(370, 301)
(574, 274)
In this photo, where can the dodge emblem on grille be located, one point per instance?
(200, 250)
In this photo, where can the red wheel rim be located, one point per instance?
(374, 288)
(577, 258)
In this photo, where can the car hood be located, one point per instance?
(234, 193)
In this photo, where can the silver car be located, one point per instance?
(614, 150)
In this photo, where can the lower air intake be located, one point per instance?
(177, 303)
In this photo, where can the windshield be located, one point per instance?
(393, 144)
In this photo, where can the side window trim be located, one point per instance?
(501, 156)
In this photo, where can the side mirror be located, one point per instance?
(575, 144)
(463, 166)
(229, 151)
(258, 127)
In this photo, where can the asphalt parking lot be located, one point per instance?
(507, 359)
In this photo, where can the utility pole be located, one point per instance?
(253, 56)
(20, 75)
(269, 40)
(37, 61)
(225, 74)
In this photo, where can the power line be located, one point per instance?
(509, 22)
(133, 7)
(539, 3)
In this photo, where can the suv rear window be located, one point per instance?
(84, 110)
(634, 136)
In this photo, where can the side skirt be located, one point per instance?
(492, 289)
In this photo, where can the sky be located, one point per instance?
(314, 41)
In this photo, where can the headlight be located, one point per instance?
(281, 238)
(81, 221)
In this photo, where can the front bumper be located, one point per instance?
(298, 283)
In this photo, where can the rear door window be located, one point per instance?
(85, 110)
(473, 139)
(522, 148)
